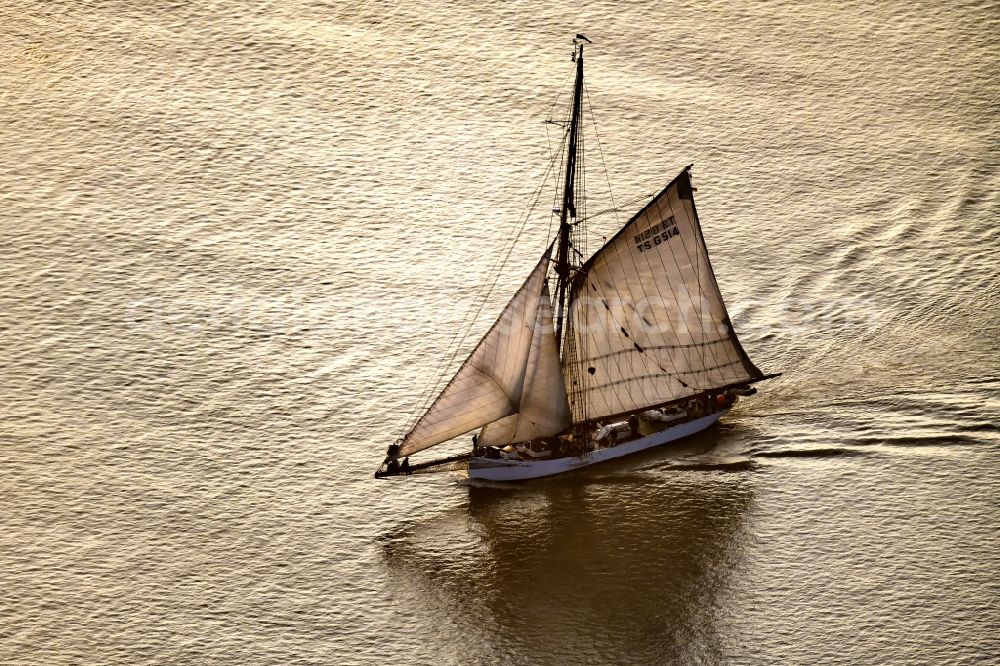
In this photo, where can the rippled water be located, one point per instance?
(236, 239)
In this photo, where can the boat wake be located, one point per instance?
(725, 465)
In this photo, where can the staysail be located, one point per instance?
(542, 406)
(491, 384)
(647, 321)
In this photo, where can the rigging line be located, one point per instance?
(619, 362)
(451, 351)
(526, 290)
(444, 365)
(630, 256)
(697, 269)
(731, 330)
(646, 297)
(703, 268)
(655, 375)
(548, 143)
(555, 197)
(458, 341)
(670, 247)
(555, 100)
(548, 117)
(659, 347)
(581, 208)
(698, 251)
(620, 208)
(557, 193)
(472, 420)
(486, 289)
(673, 292)
(600, 151)
(673, 375)
(467, 324)
(578, 245)
(562, 144)
(614, 208)
(657, 287)
(584, 397)
(627, 351)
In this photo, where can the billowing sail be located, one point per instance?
(490, 383)
(647, 321)
(542, 406)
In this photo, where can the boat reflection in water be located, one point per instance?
(628, 562)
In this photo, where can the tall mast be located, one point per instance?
(568, 209)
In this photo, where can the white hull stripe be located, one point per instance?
(515, 470)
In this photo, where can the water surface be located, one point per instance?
(236, 241)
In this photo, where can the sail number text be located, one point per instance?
(657, 234)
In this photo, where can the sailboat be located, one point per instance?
(630, 349)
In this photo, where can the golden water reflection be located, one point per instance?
(624, 566)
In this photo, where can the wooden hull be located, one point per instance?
(517, 470)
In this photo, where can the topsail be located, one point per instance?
(647, 320)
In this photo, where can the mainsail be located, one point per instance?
(513, 372)
(647, 322)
